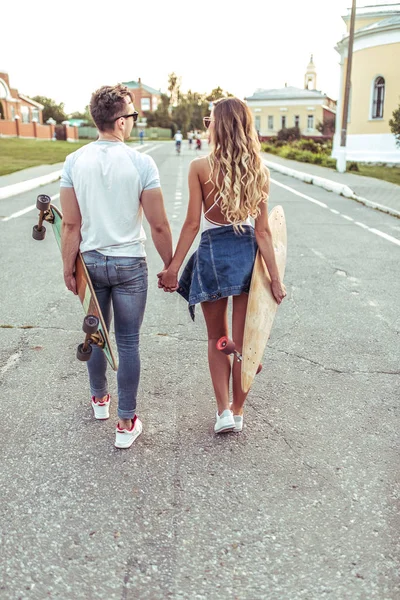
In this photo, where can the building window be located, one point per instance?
(154, 103)
(25, 114)
(3, 90)
(258, 123)
(283, 121)
(145, 104)
(35, 115)
(378, 98)
(270, 122)
(12, 113)
(310, 122)
(297, 120)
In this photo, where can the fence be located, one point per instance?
(37, 131)
(152, 133)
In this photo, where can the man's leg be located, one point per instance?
(129, 296)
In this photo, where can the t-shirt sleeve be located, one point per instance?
(66, 175)
(152, 176)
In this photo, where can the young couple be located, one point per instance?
(105, 187)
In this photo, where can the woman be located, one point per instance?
(226, 188)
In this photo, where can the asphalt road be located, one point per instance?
(304, 504)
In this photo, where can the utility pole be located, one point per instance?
(341, 162)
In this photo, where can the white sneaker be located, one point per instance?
(238, 422)
(124, 438)
(224, 422)
(101, 409)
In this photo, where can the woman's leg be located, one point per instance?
(238, 320)
(215, 314)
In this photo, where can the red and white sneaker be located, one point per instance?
(124, 438)
(101, 409)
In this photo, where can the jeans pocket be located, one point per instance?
(132, 276)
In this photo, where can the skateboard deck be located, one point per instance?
(84, 285)
(261, 306)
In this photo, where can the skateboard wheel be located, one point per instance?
(38, 234)
(43, 202)
(90, 324)
(225, 345)
(82, 354)
(259, 369)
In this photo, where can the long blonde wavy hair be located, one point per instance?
(236, 170)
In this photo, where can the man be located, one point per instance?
(178, 140)
(190, 138)
(105, 188)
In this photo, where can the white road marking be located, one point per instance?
(26, 210)
(381, 234)
(152, 148)
(13, 359)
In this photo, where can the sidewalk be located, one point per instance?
(372, 192)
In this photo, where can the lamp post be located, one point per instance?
(341, 160)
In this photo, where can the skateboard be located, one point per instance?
(93, 324)
(261, 306)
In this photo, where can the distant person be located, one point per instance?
(104, 187)
(190, 136)
(141, 136)
(226, 188)
(178, 140)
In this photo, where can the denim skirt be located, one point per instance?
(221, 266)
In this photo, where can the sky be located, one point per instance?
(67, 50)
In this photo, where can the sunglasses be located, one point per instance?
(134, 115)
(207, 121)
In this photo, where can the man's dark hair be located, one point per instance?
(107, 103)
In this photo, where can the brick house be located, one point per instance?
(146, 97)
(13, 104)
(21, 116)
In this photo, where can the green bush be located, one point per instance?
(353, 166)
(289, 134)
(309, 145)
(267, 147)
(329, 162)
(289, 152)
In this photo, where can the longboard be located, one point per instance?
(261, 306)
(86, 293)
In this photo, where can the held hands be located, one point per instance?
(168, 280)
(278, 290)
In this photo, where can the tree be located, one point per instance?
(51, 109)
(174, 88)
(217, 93)
(394, 125)
(289, 135)
(85, 116)
(327, 127)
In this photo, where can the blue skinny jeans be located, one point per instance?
(122, 282)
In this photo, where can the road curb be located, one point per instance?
(330, 186)
(28, 185)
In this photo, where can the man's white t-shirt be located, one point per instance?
(108, 179)
(178, 137)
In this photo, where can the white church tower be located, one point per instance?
(310, 78)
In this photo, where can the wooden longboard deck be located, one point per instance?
(261, 307)
(85, 290)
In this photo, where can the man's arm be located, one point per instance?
(70, 235)
(154, 210)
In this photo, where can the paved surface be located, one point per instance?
(374, 190)
(304, 504)
(30, 173)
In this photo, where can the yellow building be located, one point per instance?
(375, 85)
(306, 108)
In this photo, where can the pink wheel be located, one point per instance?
(259, 369)
(225, 345)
